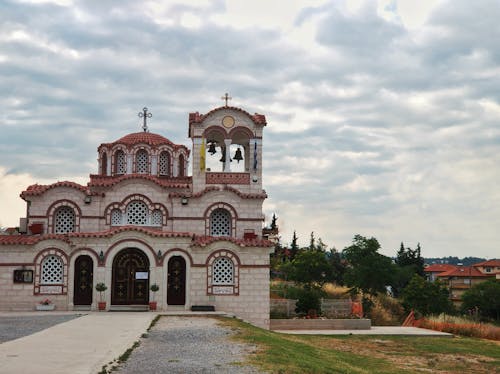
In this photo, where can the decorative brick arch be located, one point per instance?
(209, 131)
(59, 204)
(53, 288)
(134, 153)
(170, 161)
(241, 129)
(122, 206)
(173, 251)
(223, 289)
(114, 165)
(225, 206)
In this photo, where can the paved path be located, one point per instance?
(375, 330)
(80, 346)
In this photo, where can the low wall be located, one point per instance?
(320, 324)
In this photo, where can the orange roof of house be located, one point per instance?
(464, 271)
(439, 268)
(493, 262)
(143, 137)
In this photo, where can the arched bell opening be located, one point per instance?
(215, 150)
(240, 149)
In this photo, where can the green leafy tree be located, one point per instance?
(367, 270)
(310, 268)
(426, 297)
(334, 259)
(312, 242)
(484, 296)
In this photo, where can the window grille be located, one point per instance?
(64, 220)
(220, 223)
(142, 162)
(120, 163)
(156, 218)
(137, 213)
(223, 271)
(164, 163)
(52, 270)
(116, 217)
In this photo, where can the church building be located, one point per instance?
(141, 220)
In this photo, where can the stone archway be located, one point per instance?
(130, 278)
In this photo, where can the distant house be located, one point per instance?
(432, 271)
(461, 278)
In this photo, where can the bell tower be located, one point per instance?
(227, 149)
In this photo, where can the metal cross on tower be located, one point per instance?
(145, 115)
(226, 97)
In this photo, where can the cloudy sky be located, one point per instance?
(383, 117)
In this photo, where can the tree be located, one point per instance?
(312, 242)
(367, 271)
(294, 248)
(409, 257)
(338, 266)
(310, 268)
(426, 297)
(274, 225)
(486, 297)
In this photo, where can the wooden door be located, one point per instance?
(130, 278)
(84, 268)
(176, 281)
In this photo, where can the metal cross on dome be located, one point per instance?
(226, 97)
(145, 115)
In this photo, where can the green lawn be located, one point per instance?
(281, 353)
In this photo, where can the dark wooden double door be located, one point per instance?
(130, 284)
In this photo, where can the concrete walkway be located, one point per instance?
(79, 346)
(375, 330)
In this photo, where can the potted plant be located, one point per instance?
(101, 287)
(45, 305)
(154, 288)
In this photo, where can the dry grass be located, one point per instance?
(460, 326)
(336, 292)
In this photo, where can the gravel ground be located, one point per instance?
(188, 345)
(14, 327)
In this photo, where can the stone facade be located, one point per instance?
(141, 221)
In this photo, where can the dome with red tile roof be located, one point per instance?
(143, 138)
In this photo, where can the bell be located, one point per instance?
(238, 156)
(211, 148)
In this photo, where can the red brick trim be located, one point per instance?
(210, 130)
(39, 258)
(108, 251)
(221, 205)
(52, 209)
(236, 273)
(164, 255)
(242, 129)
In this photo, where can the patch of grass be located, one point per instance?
(125, 355)
(283, 353)
(153, 322)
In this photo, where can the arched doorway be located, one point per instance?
(83, 280)
(176, 281)
(130, 278)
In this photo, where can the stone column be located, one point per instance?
(227, 164)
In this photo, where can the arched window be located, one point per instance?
(156, 218)
(164, 162)
(142, 162)
(220, 223)
(104, 164)
(181, 166)
(137, 213)
(116, 217)
(52, 270)
(64, 220)
(223, 272)
(120, 164)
